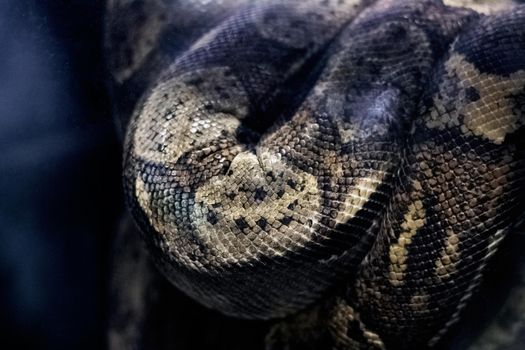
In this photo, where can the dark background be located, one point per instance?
(59, 175)
(60, 195)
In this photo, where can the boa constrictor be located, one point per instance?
(346, 166)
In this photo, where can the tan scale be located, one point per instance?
(414, 219)
(419, 302)
(482, 6)
(159, 128)
(446, 263)
(342, 313)
(491, 116)
(359, 195)
(272, 208)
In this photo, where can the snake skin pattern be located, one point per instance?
(346, 166)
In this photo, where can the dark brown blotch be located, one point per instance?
(260, 194)
(472, 94)
(241, 223)
(262, 222)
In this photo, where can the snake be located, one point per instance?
(344, 168)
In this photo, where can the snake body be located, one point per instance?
(346, 166)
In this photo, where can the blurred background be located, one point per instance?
(61, 201)
(59, 175)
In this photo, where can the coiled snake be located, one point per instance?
(346, 166)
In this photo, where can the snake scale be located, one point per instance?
(347, 167)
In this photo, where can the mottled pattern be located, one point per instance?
(349, 165)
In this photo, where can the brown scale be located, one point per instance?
(457, 195)
(458, 199)
(260, 222)
(234, 222)
(353, 140)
